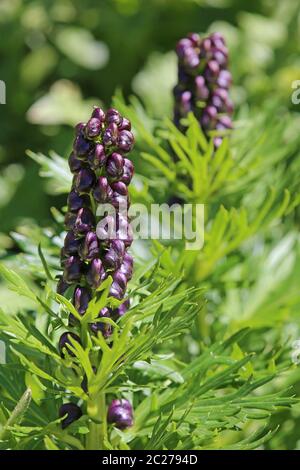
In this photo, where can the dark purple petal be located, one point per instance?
(75, 163)
(120, 278)
(72, 269)
(115, 165)
(111, 134)
(76, 201)
(125, 141)
(97, 158)
(81, 298)
(121, 310)
(128, 171)
(82, 147)
(99, 114)
(102, 191)
(62, 286)
(71, 412)
(116, 291)
(70, 219)
(224, 80)
(104, 328)
(85, 221)
(182, 46)
(93, 127)
(125, 125)
(84, 180)
(202, 92)
(120, 414)
(95, 273)
(120, 188)
(71, 244)
(89, 247)
(113, 116)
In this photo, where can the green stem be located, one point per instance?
(98, 427)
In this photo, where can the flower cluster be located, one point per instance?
(102, 173)
(203, 83)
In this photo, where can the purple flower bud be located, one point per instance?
(119, 247)
(116, 291)
(186, 102)
(71, 244)
(219, 57)
(95, 273)
(182, 46)
(217, 39)
(209, 117)
(75, 163)
(82, 146)
(104, 328)
(84, 180)
(125, 125)
(128, 171)
(195, 39)
(64, 342)
(191, 58)
(89, 247)
(113, 116)
(125, 141)
(93, 127)
(111, 259)
(102, 192)
(120, 414)
(70, 219)
(98, 158)
(79, 128)
(212, 69)
(81, 298)
(224, 122)
(120, 188)
(127, 266)
(124, 230)
(115, 165)
(72, 269)
(71, 412)
(85, 221)
(202, 92)
(120, 202)
(99, 114)
(217, 142)
(62, 286)
(120, 278)
(76, 201)
(111, 134)
(206, 46)
(121, 310)
(224, 80)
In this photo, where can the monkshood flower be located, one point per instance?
(102, 172)
(120, 414)
(203, 84)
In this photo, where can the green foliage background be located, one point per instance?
(60, 57)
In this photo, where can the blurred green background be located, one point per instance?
(57, 57)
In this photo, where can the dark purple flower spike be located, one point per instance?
(203, 83)
(102, 172)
